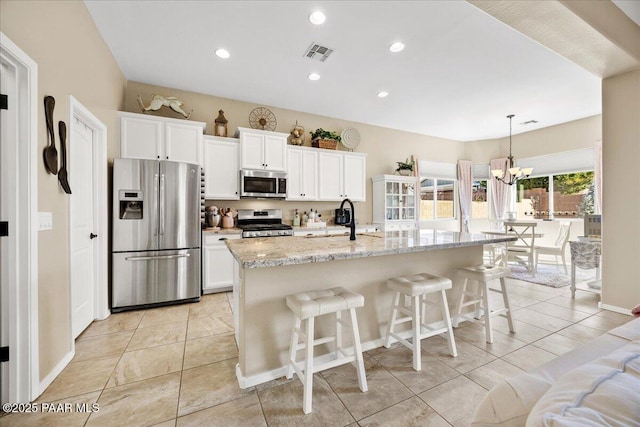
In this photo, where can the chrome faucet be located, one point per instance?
(352, 224)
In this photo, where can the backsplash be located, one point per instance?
(325, 209)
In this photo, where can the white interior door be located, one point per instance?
(82, 226)
(7, 134)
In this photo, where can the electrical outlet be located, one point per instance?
(45, 221)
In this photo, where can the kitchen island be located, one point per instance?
(272, 268)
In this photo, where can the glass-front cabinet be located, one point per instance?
(395, 202)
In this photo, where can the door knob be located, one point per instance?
(93, 236)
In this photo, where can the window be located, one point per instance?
(479, 200)
(569, 195)
(573, 195)
(533, 198)
(437, 199)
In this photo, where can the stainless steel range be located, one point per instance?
(263, 223)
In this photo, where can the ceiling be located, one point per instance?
(461, 73)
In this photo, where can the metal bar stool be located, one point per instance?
(483, 274)
(416, 287)
(307, 306)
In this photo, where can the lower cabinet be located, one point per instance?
(219, 268)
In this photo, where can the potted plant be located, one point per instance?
(321, 138)
(406, 167)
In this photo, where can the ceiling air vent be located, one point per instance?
(318, 52)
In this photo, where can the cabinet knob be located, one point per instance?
(158, 156)
(167, 157)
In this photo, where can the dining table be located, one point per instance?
(523, 248)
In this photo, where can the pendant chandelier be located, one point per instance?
(515, 173)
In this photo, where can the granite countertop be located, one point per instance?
(276, 251)
(219, 230)
(333, 227)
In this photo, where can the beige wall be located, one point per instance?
(621, 181)
(72, 59)
(582, 133)
(383, 146)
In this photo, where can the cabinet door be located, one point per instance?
(141, 138)
(354, 178)
(218, 264)
(183, 143)
(251, 146)
(275, 151)
(294, 174)
(221, 176)
(330, 184)
(302, 174)
(309, 174)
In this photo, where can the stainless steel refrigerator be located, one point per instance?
(156, 233)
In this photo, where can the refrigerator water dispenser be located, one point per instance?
(131, 204)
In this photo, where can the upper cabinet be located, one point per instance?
(153, 137)
(263, 150)
(221, 176)
(341, 175)
(302, 174)
(396, 201)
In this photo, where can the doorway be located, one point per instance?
(19, 376)
(87, 160)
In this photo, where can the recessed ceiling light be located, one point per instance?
(314, 76)
(396, 47)
(222, 53)
(317, 18)
(383, 94)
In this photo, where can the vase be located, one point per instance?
(405, 172)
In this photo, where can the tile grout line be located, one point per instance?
(113, 370)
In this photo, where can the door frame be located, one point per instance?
(24, 369)
(100, 208)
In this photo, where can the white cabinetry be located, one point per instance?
(302, 174)
(221, 176)
(395, 202)
(342, 175)
(152, 137)
(262, 149)
(219, 268)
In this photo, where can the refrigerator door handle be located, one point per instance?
(162, 206)
(155, 205)
(149, 258)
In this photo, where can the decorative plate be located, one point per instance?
(262, 118)
(350, 138)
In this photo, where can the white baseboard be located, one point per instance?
(613, 308)
(46, 382)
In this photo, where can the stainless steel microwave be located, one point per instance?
(259, 183)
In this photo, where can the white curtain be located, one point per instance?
(597, 178)
(498, 190)
(465, 188)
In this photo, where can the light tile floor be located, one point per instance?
(175, 366)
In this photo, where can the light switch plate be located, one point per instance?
(45, 221)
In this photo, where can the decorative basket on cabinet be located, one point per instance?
(321, 138)
(329, 144)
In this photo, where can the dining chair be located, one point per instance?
(558, 249)
(521, 251)
(492, 252)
